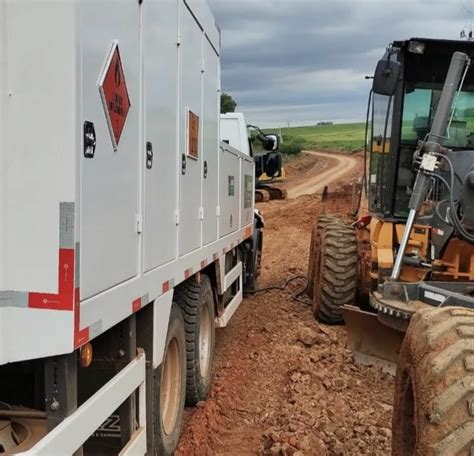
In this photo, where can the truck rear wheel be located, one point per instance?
(170, 387)
(335, 282)
(319, 223)
(196, 300)
(434, 387)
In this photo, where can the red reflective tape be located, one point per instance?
(188, 273)
(44, 301)
(166, 286)
(81, 336)
(203, 264)
(66, 271)
(137, 305)
(64, 299)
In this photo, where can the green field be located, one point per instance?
(339, 137)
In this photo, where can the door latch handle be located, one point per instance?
(183, 164)
(149, 155)
(90, 140)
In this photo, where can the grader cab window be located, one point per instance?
(380, 148)
(418, 111)
(419, 106)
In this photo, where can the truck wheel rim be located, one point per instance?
(205, 340)
(170, 390)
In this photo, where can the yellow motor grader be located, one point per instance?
(405, 271)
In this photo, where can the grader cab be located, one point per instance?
(408, 266)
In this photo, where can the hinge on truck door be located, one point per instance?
(176, 217)
(218, 211)
(201, 213)
(139, 221)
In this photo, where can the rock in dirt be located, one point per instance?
(310, 337)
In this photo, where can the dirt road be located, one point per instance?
(338, 167)
(284, 384)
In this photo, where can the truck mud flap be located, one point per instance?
(373, 343)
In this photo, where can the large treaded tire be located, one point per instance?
(166, 440)
(434, 387)
(314, 247)
(196, 300)
(336, 271)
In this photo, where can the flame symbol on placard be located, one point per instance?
(118, 73)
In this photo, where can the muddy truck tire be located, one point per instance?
(335, 277)
(170, 388)
(434, 387)
(314, 248)
(196, 301)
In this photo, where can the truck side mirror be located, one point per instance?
(386, 77)
(272, 143)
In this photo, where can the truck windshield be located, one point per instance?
(419, 109)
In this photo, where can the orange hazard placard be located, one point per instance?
(193, 135)
(114, 93)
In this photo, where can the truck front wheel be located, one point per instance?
(170, 387)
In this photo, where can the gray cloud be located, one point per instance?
(305, 60)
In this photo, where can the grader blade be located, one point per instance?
(373, 343)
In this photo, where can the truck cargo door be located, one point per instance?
(248, 193)
(109, 173)
(229, 191)
(161, 101)
(190, 133)
(210, 141)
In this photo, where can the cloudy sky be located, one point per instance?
(305, 60)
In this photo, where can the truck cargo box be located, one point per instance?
(114, 187)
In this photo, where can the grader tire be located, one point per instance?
(319, 223)
(336, 271)
(434, 388)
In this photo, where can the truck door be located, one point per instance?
(110, 113)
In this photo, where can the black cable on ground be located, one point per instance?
(276, 287)
(295, 296)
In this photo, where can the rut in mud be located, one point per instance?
(284, 384)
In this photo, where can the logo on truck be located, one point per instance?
(114, 94)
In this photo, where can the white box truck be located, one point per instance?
(127, 230)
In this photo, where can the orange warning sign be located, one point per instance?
(193, 135)
(115, 98)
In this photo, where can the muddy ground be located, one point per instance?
(284, 384)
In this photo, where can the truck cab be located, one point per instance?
(234, 132)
